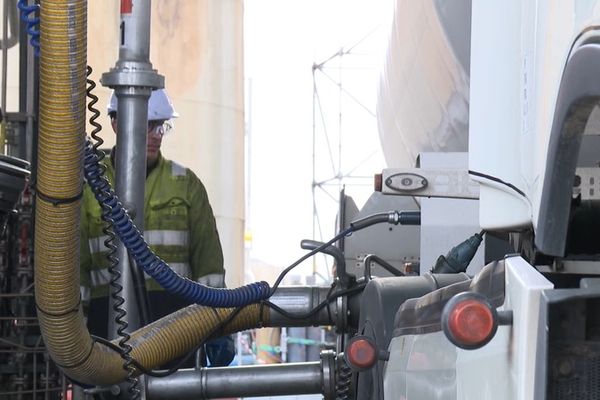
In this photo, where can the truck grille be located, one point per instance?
(574, 371)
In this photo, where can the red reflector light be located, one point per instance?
(469, 321)
(361, 353)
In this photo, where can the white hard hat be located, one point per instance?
(160, 106)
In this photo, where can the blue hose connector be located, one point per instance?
(154, 266)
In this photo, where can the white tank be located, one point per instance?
(423, 97)
(198, 47)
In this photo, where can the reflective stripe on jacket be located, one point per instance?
(99, 277)
(179, 227)
(153, 238)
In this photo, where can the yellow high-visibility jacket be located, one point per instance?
(179, 226)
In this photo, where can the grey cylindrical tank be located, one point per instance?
(423, 97)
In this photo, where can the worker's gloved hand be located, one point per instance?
(220, 351)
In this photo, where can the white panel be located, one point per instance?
(495, 110)
(524, 285)
(510, 357)
(447, 222)
(476, 383)
(421, 367)
(518, 53)
(428, 366)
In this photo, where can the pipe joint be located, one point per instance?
(328, 359)
(133, 75)
(298, 302)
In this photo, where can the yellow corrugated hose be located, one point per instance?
(63, 43)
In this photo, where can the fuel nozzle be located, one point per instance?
(458, 258)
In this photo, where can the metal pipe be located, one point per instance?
(130, 183)
(34, 356)
(135, 32)
(283, 345)
(11, 295)
(11, 19)
(299, 301)
(246, 381)
(133, 80)
(12, 393)
(28, 71)
(333, 251)
(295, 346)
(4, 56)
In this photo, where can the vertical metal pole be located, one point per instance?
(130, 167)
(31, 68)
(238, 347)
(134, 31)
(4, 53)
(296, 349)
(133, 79)
(283, 345)
(23, 75)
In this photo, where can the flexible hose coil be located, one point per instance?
(154, 266)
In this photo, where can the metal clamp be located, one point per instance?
(328, 374)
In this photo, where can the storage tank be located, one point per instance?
(198, 47)
(423, 96)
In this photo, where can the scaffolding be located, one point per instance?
(346, 150)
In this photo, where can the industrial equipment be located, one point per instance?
(471, 272)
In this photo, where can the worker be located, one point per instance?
(179, 226)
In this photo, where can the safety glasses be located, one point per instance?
(159, 128)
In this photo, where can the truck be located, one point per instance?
(511, 85)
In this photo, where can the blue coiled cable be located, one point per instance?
(32, 24)
(155, 267)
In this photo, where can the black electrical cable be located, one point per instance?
(307, 255)
(384, 264)
(329, 292)
(110, 243)
(392, 217)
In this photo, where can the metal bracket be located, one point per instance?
(584, 267)
(328, 374)
(457, 183)
(429, 183)
(587, 183)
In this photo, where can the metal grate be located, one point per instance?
(574, 371)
